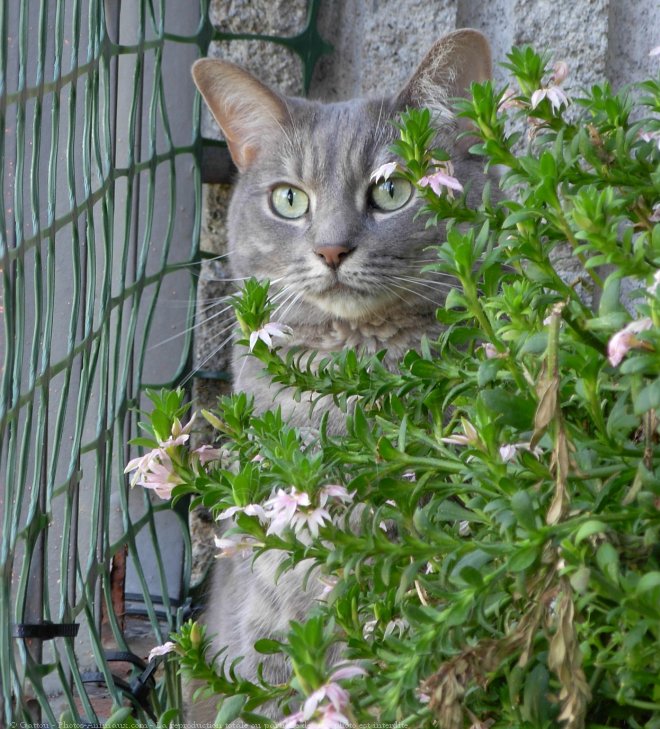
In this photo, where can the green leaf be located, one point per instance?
(258, 721)
(122, 719)
(610, 299)
(230, 710)
(162, 425)
(451, 511)
(607, 558)
(523, 558)
(512, 409)
(268, 647)
(536, 706)
(171, 715)
(149, 443)
(471, 576)
(648, 398)
(523, 508)
(593, 526)
(488, 370)
(647, 582)
(519, 216)
(387, 451)
(68, 719)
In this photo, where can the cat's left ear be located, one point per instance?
(453, 63)
(247, 111)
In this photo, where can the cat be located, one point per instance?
(343, 252)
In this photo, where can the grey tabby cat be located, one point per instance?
(343, 253)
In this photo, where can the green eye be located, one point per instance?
(289, 202)
(391, 194)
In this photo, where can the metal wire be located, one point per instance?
(100, 149)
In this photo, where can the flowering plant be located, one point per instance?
(505, 480)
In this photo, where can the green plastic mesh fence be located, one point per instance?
(101, 190)
(101, 184)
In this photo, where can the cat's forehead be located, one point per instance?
(340, 137)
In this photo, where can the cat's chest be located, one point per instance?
(396, 335)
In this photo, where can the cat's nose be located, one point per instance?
(333, 256)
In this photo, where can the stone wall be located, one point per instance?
(378, 43)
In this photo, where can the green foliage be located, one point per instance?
(498, 563)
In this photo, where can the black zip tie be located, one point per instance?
(45, 630)
(139, 688)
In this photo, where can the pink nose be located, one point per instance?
(333, 256)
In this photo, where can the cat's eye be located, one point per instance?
(289, 201)
(391, 194)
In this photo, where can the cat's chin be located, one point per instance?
(346, 303)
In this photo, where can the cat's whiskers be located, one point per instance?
(200, 365)
(389, 290)
(422, 282)
(231, 326)
(412, 291)
(381, 128)
(290, 293)
(199, 323)
(297, 144)
(180, 265)
(295, 300)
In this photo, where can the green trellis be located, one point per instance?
(101, 184)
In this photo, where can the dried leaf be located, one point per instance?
(565, 660)
(547, 408)
(561, 465)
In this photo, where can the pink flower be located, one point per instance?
(422, 696)
(294, 509)
(281, 509)
(490, 350)
(464, 528)
(161, 477)
(651, 137)
(154, 469)
(398, 624)
(508, 451)
(471, 436)
(250, 510)
(207, 454)
(329, 583)
(554, 94)
(335, 694)
(332, 691)
(508, 100)
(233, 546)
(347, 671)
(560, 72)
(161, 650)
(655, 286)
(383, 172)
(293, 721)
(180, 434)
(336, 491)
(625, 339)
(442, 178)
(142, 464)
(267, 332)
(313, 520)
(327, 718)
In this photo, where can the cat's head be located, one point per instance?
(305, 213)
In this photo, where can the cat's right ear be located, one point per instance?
(247, 111)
